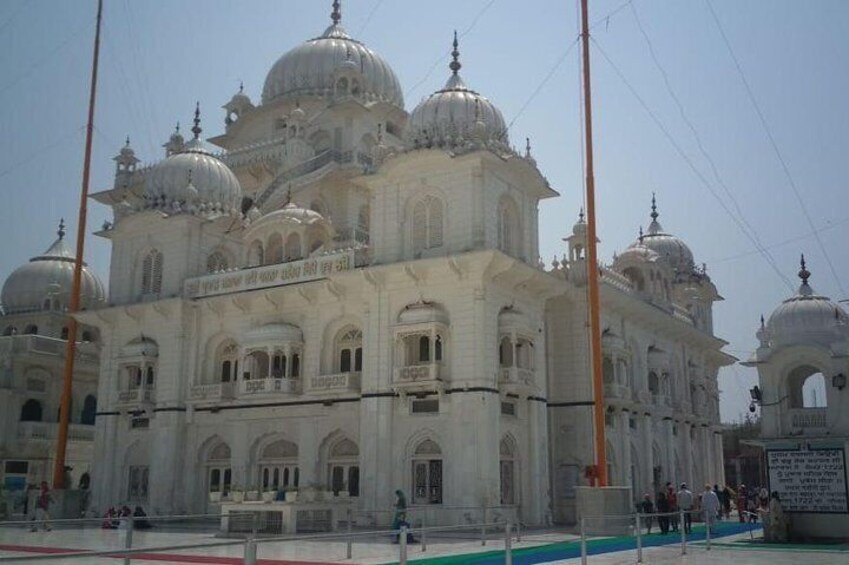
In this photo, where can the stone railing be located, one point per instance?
(340, 382)
(217, 391)
(270, 386)
(614, 390)
(803, 418)
(428, 372)
(50, 430)
(136, 396)
(43, 345)
(516, 375)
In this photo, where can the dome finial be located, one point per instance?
(61, 231)
(654, 213)
(804, 273)
(528, 150)
(641, 236)
(455, 65)
(196, 129)
(336, 16)
(288, 195)
(177, 129)
(127, 143)
(241, 87)
(581, 216)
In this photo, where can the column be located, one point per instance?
(624, 423)
(648, 441)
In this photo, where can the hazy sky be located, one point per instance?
(160, 56)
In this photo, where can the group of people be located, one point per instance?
(118, 518)
(751, 502)
(670, 505)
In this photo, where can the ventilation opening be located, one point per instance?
(424, 407)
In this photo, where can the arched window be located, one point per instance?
(255, 254)
(65, 333)
(278, 465)
(508, 227)
(152, 272)
(258, 366)
(31, 329)
(636, 277)
(293, 247)
(227, 362)
(343, 468)
(88, 337)
(31, 411)
(216, 263)
(654, 383)
(89, 410)
(807, 388)
(507, 450)
(505, 352)
(349, 350)
(607, 371)
(10, 330)
(274, 250)
(427, 225)
(219, 475)
(427, 473)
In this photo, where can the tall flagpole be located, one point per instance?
(71, 345)
(592, 267)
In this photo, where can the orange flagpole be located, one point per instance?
(70, 346)
(592, 266)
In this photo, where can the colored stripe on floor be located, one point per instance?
(165, 557)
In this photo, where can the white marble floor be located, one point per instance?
(19, 544)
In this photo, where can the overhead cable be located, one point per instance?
(774, 145)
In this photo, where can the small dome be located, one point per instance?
(457, 115)
(141, 347)
(49, 276)
(669, 248)
(580, 227)
(311, 68)
(807, 318)
(636, 253)
(171, 182)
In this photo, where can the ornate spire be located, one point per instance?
(654, 213)
(336, 15)
(804, 273)
(288, 195)
(196, 129)
(528, 152)
(641, 236)
(455, 65)
(127, 143)
(177, 129)
(61, 231)
(241, 87)
(581, 216)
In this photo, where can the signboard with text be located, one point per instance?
(270, 276)
(809, 480)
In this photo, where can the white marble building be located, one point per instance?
(33, 334)
(803, 365)
(351, 296)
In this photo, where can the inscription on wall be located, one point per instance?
(809, 480)
(269, 276)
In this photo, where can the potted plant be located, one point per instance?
(291, 494)
(269, 495)
(215, 497)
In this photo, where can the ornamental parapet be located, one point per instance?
(50, 430)
(269, 386)
(340, 382)
(808, 420)
(418, 378)
(268, 276)
(213, 392)
(135, 397)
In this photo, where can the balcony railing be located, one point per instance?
(427, 372)
(269, 386)
(617, 391)
(516, 375)
(340, 382)
(49, 430)
(804, 418)
(136, 396)
(42, 345)
(217, 391)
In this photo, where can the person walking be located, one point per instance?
(672, 498)
(42, 508)
(685, 503)
(711, 507)
(646, 507)
(742, 501)
(662, 511)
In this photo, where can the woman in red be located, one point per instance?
(741, 503)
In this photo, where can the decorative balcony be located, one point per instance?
(33, 431)
(135, 397)
(269, 386)
(340, 382)
(515, 375)
(808, 420)
(212, 392)
(418, 378)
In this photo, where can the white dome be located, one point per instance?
(311, 68)
(456, 115)
(670, 249)
(50, 276)
(807, 318)
(171, 181)
(291, 214)
(636, 253)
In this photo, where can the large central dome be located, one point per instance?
(311, 69)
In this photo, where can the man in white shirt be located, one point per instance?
(710, 506)
(685, 503)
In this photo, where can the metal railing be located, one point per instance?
(252, 542)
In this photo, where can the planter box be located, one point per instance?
(291, 496)
(269, 496)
